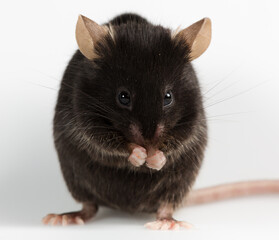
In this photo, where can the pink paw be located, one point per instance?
(156, 161)
(138, 156)
(63, 219)
(167, 224)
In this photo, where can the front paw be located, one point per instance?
(156, 161)
(138, 156)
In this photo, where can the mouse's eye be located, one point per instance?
(168, 98)
(124, 98)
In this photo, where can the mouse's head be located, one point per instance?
(141, 84)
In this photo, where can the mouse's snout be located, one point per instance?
(144, 148)
(146, 135)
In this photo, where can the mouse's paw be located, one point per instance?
(88, 211)
(64, 219)
(167, 224)
(138, 156)
(156, 161)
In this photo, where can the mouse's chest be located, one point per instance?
(135, 191)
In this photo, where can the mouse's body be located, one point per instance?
(104, 176)
(129, 126)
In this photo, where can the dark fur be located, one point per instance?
(92, 132)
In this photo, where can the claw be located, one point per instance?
(79, 221)
(63, 219)
(167, 224)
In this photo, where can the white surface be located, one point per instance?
(37, 40)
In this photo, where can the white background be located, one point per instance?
(240, 67)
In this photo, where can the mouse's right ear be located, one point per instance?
(87, 34)
(197, 36)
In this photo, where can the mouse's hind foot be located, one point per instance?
(79, 217)
(167, 224)
(165, 220)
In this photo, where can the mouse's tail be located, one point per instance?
(232, 190)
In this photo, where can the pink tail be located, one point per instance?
(231, 190)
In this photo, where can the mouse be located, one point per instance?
(130, 128)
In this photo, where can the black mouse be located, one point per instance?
(129, 127)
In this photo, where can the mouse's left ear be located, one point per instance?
(197, 37)
(88, 33)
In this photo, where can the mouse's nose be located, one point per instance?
(148, 130)
(146, 134)
(153, 132)
(136, 134)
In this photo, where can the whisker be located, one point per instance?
(236, 95)
(88, 128)
(47, 75)
(222, 90)
(228, 114)
(222, 80)
(212, 118)
(40, 85)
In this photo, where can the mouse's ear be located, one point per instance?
(197, 36)
(87, 34)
